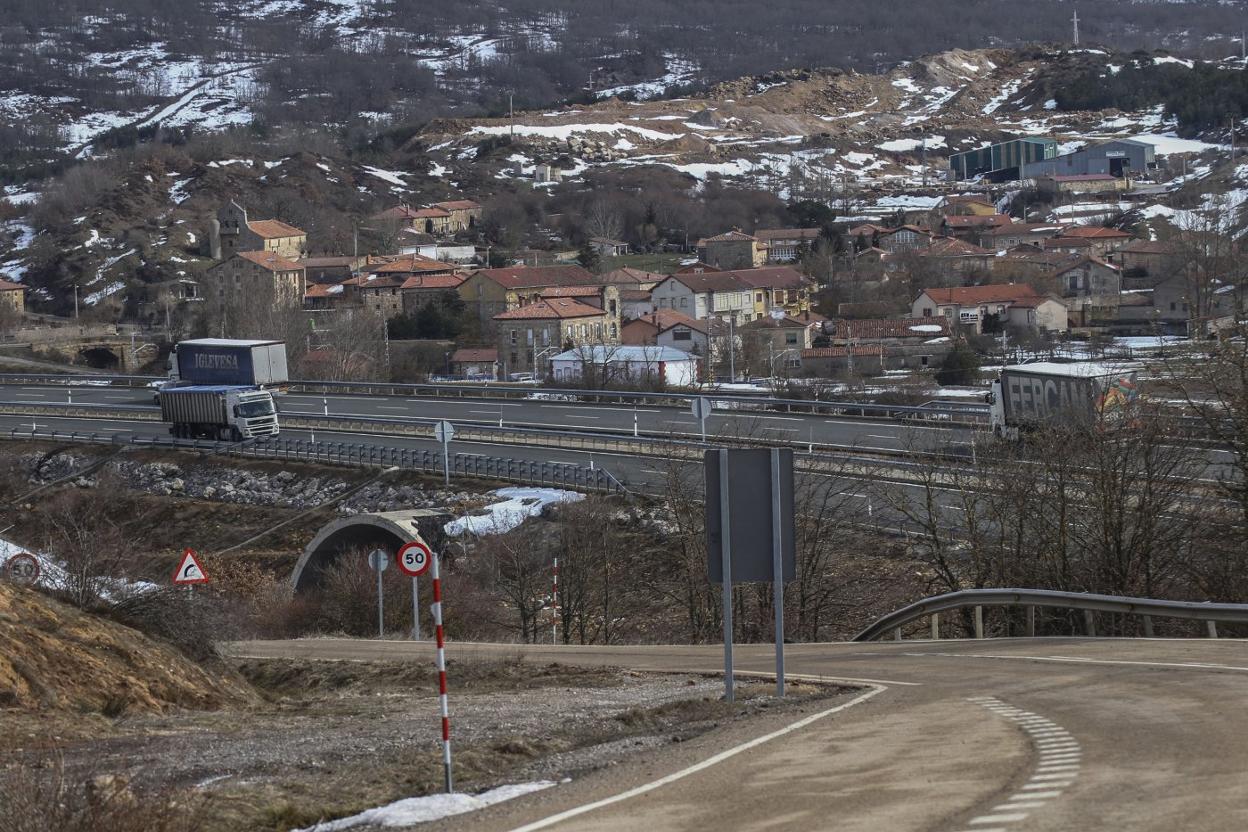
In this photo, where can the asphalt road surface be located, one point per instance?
(951, 736)
(885, 435)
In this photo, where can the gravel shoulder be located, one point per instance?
(332, 738)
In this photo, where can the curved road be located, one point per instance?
(948, 736)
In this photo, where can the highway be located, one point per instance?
(873, 435)
(1019, 735)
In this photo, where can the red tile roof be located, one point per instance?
(768, 322)
(323, 290)
(871, 329)
(271, 260)
(274, 229)
(458, 205)
(410, 264)
(842, 352)
(573, 292)
(710, 282)
(9, 286)
(991, 293)
(433, 281)
(697, 268)
(627, 275)
(733, 236)
(536, 277)
(1094, 232)
(550, 309)
(951, 247)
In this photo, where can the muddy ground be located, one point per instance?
(334, 738)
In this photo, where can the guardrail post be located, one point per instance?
(1148, 626)
(897, 634)
(1089, 621)
(1031, 622)
(979, 622)
(935, 626)
(1212, 627)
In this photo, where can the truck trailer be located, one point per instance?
(227, 361)
(1081, 394)
(225, 413)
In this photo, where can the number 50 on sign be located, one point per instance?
(414, 558)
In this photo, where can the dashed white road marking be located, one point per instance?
(1057, 768)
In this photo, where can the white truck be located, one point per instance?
(225, 413)
(1084, 393)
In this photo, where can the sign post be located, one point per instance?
(22, 568)
(741, 549)
(701, 408)
(444, 432)
(725, 532)
(378, 560)
(414, 559)
(777, 568)
(441, 661)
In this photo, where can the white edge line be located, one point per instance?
(695, 768)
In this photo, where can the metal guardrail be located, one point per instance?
(522, 471)
(811, 457)
(962, 413)
(1033, 598)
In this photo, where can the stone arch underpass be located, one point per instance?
(361, 533)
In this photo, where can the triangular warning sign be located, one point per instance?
(189, 571)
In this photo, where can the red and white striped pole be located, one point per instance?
(554, 603)
(446, 716)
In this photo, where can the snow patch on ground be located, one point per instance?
(566, 131)
(429, 808)
(517, 505)
(907, 145)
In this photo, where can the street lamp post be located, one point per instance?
(75, 301)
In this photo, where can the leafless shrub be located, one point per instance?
(43, 796)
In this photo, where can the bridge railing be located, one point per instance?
(1031, 599)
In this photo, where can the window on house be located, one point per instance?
(1172, 306)
(927, 311)
(615, 331)
(611, 307)
(529, 336)
(790, 338)
(684, 302)
(682, 335)
(923, 359)
(1074, 283)
(758, 297)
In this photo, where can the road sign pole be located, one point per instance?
(725, 533)
(415, 609)
(446, 462)
(446, 716)
(381, 608)
(777, 567)
(554, 603)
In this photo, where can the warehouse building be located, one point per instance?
(1002, 162)
(1120, 158)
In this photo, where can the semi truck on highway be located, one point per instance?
(226, 413)
(1085, 393)
(228, 361)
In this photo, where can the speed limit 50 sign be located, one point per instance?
(414, 558)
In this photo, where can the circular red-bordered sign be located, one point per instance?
(22, 568)
(414, 558)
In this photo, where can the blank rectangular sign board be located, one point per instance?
(750, 506)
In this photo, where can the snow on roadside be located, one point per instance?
(52, 574)
(517, 505)
(429, 808)
(565, 131)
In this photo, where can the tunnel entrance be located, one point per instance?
(100, 358)
(352, 536)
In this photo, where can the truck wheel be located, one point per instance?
(235, 436)
(223, 434)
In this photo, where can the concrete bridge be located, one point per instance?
(357, 535)
(115, 353)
